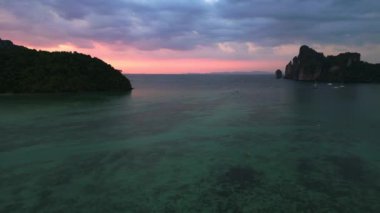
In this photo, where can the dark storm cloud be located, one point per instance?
(326, 21)
(183, 25)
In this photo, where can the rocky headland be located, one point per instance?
(311, 65)
(279, 74)
(24, 70)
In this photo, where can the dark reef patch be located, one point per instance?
(349, 168)
(334, 175)
(309, 176)
(238, 179)
(305, 165)
(13, 207)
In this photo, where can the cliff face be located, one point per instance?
(23, 70)
(310, 65)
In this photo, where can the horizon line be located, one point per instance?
(206, 73)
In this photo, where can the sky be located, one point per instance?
(194, 36)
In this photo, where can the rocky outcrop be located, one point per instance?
(311, 65)
(279, 74)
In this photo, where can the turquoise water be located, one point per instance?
(193, 143)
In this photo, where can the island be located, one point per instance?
(24, 70)
(311, 65)
(278, 74)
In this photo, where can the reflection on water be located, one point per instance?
(193, 143)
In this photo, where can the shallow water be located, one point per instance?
(193, 143)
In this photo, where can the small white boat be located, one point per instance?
(330, 84)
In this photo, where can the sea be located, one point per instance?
(193, 143)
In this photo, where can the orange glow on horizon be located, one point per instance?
(193, 65)
(131, 63)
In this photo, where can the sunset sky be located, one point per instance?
(194, 36)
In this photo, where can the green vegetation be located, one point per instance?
(23, 70)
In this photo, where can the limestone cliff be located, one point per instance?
(311, 65)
